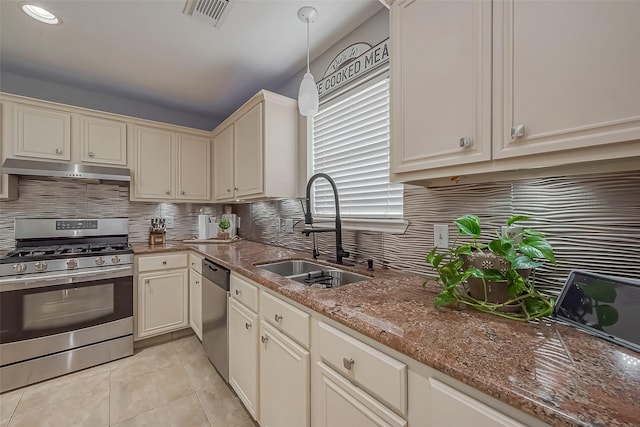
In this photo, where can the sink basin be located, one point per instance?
(313, 275)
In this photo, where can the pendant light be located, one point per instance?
(308, 98)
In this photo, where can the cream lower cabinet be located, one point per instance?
(162, 294)
(284, 380)
(195, 294)
(244, 328)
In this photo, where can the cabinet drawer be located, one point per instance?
(162, 262)
(195, 262)
(244, 291)
(379, 374)
(287, 318)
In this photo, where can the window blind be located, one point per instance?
(350, 143)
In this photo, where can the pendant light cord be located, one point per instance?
(308, 45)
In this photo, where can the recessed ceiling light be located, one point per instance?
(40, 14)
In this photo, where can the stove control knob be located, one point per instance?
(41, 266)
(100, 261)
(72, 264)
(115, 259)
(19, 268)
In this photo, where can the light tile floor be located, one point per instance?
(170, 384)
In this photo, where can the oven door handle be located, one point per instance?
(63, 278)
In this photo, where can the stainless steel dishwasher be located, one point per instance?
(215, 294)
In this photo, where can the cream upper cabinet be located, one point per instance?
(248, 153)
(194, 168)
(441, 83)
(481, 87)
(41, 133)
(171, 166)
(103, 141)
(223, 164)
(155, 173)
(256, 150)
(566, 73)
(8, 183)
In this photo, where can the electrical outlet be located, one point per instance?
(169, 221)
(238, 221)
(441, 235)
(288, 225)
(512, 231)
(277, 224)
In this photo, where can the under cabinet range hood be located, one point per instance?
(66, 170)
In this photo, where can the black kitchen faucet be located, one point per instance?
(308, 220)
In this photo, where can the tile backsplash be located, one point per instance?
(593, 221)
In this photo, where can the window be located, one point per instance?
(350, 143)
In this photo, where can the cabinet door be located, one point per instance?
(566, 75)
(38, 132)
(449, 407)
(194, 168)
(162, 302)
(441, 83)
(155, 154)
(284, 380)
(342, 403)
(243, 355)
(103, 141)
(223, 164)
(195, 303)
(248, 174)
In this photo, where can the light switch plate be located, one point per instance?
(169, 221)
(441, 236)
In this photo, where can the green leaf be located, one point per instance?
(523, 262)
(607, 315)
(537, 247)
(516, 218)
(431, 256)
(468, 225)
(463, 249)
(503, 248)
(492, 275)
(445, 298)
(517, 284)
(536, 307)
(532, 232)
(599, 290)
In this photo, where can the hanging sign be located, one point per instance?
(352, 63)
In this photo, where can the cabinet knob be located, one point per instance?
(235, 188)
(277, 317)
(264, 339)
(91, 154)
(347, 363)
(164, 262)
(248, 326)
(182, 192)
(517, 131)
(197, 282)
(465, 142)
(237, 292)
(167, 192)
(58, 151)
(228, 190)
(146, 282)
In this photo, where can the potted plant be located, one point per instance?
(224, 225)
(496, 277)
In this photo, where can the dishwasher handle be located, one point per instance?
(216, 274)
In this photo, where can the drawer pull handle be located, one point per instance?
(164, 262)
(517, 131)
(182, 192)
(197, 282)
(237, 292)
(277, 317)
(264, 339)
(58, 151)
(247, 325)
(347, 363)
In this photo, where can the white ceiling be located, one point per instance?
(148, 50)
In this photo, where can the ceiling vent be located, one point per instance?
(210, 12)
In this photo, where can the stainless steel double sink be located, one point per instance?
(312, 274)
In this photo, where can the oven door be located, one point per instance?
(39, 306)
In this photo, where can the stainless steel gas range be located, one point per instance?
(66, 298)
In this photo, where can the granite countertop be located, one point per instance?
(551, 371)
